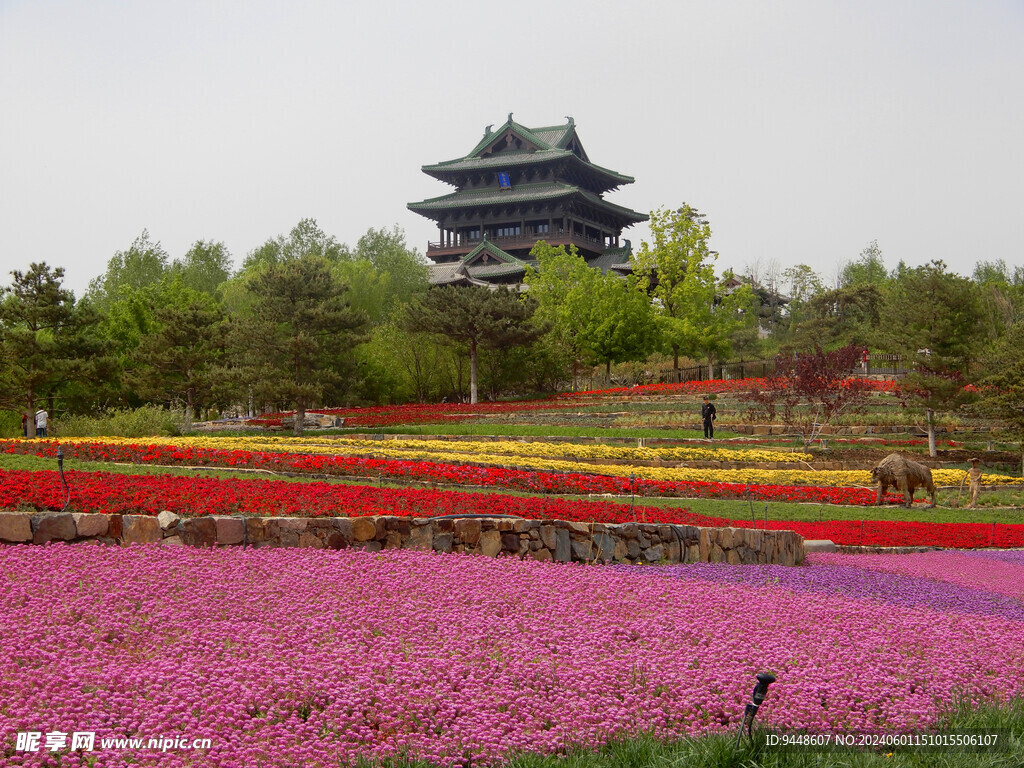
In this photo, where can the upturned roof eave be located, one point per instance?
(448, 168)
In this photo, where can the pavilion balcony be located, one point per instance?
(464, 245)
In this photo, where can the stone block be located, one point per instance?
(140, 529)
(490, 543)
(173, 541)
(255, 530)
(443, 542)
(541, 555)
(654, 554)
(89, 524)
(310, 541)
(291, 523)
(59, 526)
(819, 545)
(563, 551)
(337, 540)
(547, 536)
(604, 546)
(199, 532)
(230, 530)
(399, 525)
(582, 551)
(167, 520)
(509, 541)
(15, 526)
(421, 537)
(364, 529)
(619, 555)
(468, 531)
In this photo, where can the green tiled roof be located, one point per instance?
(491, 196)
(514, 159)
(495, 251)
(495, 270)
(521, 194)
(551, 142)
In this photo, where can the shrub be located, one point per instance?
(147, 421)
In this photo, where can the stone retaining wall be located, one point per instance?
(548, 540)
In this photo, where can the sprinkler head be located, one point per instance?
(764, 679)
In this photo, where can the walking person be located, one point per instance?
(41, 417)
(708, 414)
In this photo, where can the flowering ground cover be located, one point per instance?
(149, 494)
(301, 657)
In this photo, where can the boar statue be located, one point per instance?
(905, 475)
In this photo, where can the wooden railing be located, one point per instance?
(555, 237)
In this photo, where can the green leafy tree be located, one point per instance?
(204, 268)
(477, 317)
(560, 275)
(38, 327)
(297, 346)
(618, 323)
(838, 318)
(144, 264)
(1001, 383)
(934, 318)
(305, 239)
(181, 360)
(1001, 293)
(403, 267)
(697, 315)
(868, 269)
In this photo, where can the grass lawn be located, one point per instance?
(720, 751)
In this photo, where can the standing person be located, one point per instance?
(41, 416)
(708, 414)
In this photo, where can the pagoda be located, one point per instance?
(517, 186)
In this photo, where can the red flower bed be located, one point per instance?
(148, 495)
(420, 413)
(533, 481)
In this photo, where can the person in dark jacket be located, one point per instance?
(708, 414)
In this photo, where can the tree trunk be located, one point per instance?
(300, 417)
(472, 373)
(931, 432)
(608, 371)
(711, 368)
(30, 415)
(675, 357)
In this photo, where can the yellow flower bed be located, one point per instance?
(473, 448)
(393, 449)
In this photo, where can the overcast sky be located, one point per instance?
(803, 129)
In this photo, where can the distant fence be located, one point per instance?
(877, 365)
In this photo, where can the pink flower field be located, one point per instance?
(294, 657)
